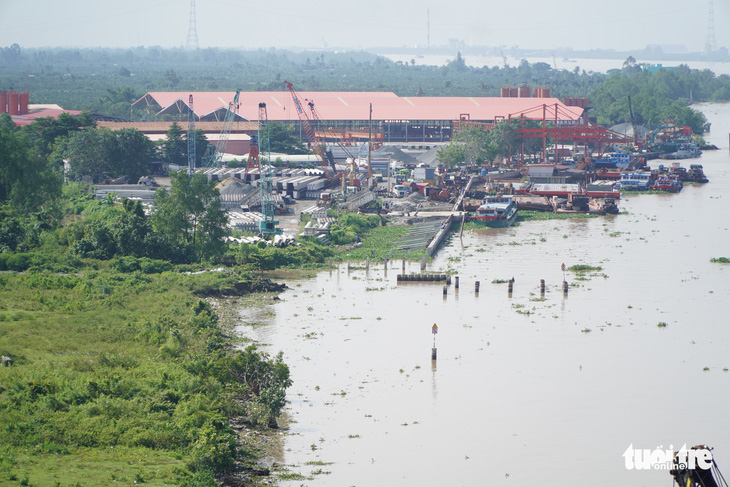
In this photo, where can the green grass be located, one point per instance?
(377, 244)
(529, 215)
(113, 379)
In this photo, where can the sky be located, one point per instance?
(318, 24)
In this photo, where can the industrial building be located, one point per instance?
(22, 112)
(345, 116)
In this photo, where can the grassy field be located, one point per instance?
(114, 380)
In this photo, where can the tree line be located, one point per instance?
(107, 81)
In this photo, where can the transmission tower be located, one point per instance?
(711, 43)
(192, 40)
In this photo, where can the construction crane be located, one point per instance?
(267, 226)
(317, 143)
(633, 121)
(192, 153)
(214, 154)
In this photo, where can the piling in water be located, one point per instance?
(542, 286)
(510, 285)
(476, 287)
(433, 353)
(565, 287)
(456, 282)
(446, 290)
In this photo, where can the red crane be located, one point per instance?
(316, 142)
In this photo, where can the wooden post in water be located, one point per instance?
(367, 263)
(385, 263)
(476, 287)
(510, 285)
(456, 282)
(404, 265)
(542, 286)
(565, 288)
(434, 331)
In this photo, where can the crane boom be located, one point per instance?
(214, 155)
(192, 152)
(317, 143)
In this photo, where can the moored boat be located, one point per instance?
(696, 174)
(634, 181)
(668, 183)
(497, 211)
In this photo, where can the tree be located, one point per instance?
(176, 148)
(452, 155)
(134, 154)
(282, 139)
(43, 132)
(191, 214)
(90, 153)
(27, 181)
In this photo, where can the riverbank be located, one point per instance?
(124, 377)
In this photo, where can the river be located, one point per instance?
(525, 390)
(599, 65)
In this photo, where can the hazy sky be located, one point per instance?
(544, 24)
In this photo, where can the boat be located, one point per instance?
(688, 150)
(497, 211)
(603, 206)
(668, 183)
(634, 181)
(615, 160)
(696, 174)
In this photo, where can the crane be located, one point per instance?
(317, 143)
(214, 154)
(192, 152)
(633, 121)
(267, 226)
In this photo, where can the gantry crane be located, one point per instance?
(214, 154)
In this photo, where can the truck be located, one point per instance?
(399, 191)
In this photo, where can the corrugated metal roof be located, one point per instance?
(345, 105)
(163, 127)
(40, 111)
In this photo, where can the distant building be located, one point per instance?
(344, 116)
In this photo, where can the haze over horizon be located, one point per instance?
(623, 25)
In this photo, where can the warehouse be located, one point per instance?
(344, 116)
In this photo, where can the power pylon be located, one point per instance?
(192, 40)
(711, 43)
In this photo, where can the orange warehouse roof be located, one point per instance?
(355, 105)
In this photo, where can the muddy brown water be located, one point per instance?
(525, 391)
